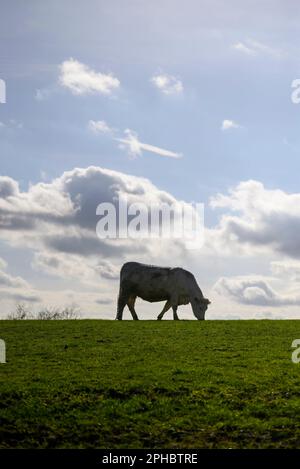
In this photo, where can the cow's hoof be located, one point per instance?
(159, 319)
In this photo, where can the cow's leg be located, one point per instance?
(175, 313)
(165, 309)
(174, 300)
(121, 305)
(130, 304)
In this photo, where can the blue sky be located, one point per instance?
(231, 61)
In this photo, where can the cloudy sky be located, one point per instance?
(153, 101)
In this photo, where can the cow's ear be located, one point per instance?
(207, 301)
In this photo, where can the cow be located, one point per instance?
(176, 286)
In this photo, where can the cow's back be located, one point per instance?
(131, 268)
(149, 282)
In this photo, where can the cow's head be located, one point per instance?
(199, 306)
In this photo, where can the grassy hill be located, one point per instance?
(148, 384)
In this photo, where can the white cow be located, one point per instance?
(151, 283)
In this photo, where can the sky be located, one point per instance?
(185, 102)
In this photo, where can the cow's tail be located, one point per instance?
(120, 306)
(121, 299)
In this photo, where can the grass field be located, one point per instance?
(148, 384)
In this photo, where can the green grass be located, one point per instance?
(148, 384)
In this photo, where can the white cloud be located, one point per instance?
(268, 315)
(254, 48)
(135, 148)
(11, 124)
(15, 288)
(286, 268)
(68, 266)
(20, 297)
(99, 127)
(13, 282)
(240, 46)
(8, 187)
(254, 290)
(62, 265)
(265, 49)
(107, 270)
(58, 221)
(131, 142)
(16, 124)
(258, 219)
(42, 94)
(167, 84)
(7, 280)
(104, 301)
(80, 79)
(228, 124)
